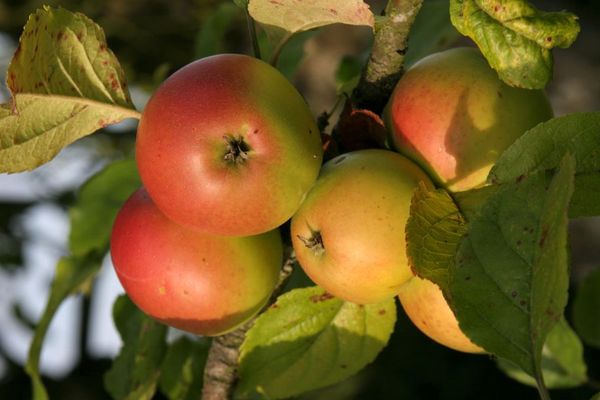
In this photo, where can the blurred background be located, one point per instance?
(153, 38)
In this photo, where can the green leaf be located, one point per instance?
(563, 365)
(433, 233)
(36, 127)
(547, 29)
(431, 32)
(98, 203)
(309, 339)
(470, 201)
(585, 309)
(291, 55)
(135, 372)
(65, 83)
(586, 196)
(283, 18)
(211, 36)
(72, 275)
(543, 147)
(515, 37)
(596, 396)
(347, 75)
(182, 368)
(91, 217)
(509, 285)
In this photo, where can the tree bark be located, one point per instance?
(384, 67)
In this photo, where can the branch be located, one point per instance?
(220, 372)
(384, 67)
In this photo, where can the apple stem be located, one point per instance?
(253, 36)
(237, 150)
(314, 242)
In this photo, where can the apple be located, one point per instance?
(452, 115)
(196, 282)
(348, 234)
(227, 146)
(427, 308)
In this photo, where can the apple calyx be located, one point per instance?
(237, 149)
(314, 242)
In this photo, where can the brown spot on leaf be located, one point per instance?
(514, 294)
(344, 366)
(520, 178)
(381, 312)
(321, 297)
(522, 302)
(333, 11)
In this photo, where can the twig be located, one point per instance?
(384, 67)
(278, 49)
(220, 372)
(253, 36)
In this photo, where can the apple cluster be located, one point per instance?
(228, 151)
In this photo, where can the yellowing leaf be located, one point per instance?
(515, 37)
(36, 127)
(65, 83)
(283, 18)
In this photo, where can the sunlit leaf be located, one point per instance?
(309, 339)
(65, 84)
(283, 18)
(515, 37)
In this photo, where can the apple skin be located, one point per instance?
(427, 308)
(453, 116)
(359, 207)
(183, 139)
(199, 283)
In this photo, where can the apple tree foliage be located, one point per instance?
(499, 253)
